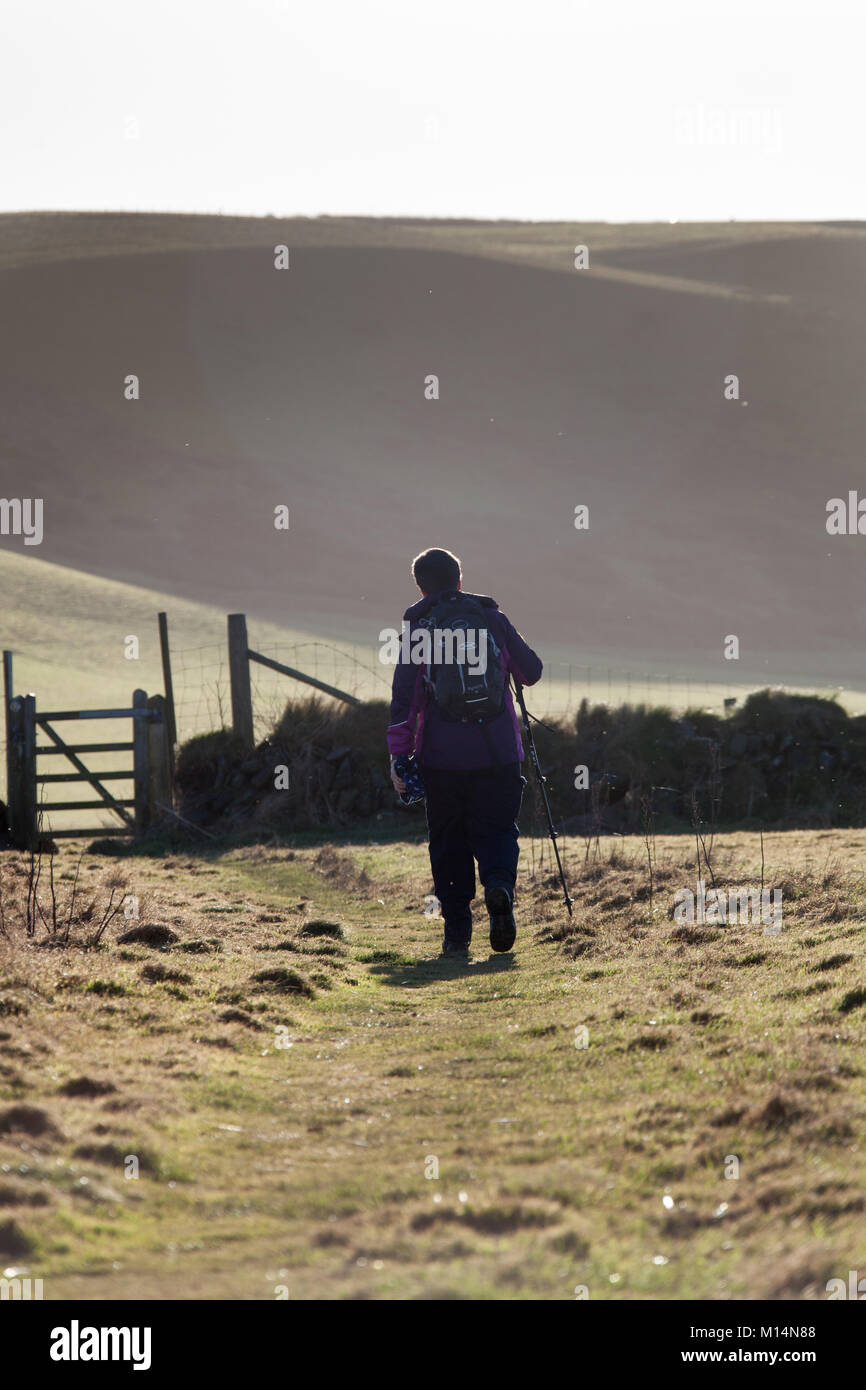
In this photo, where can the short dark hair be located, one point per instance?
(435, 570)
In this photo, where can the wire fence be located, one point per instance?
(202, 687)
(353, 668)
(203, 700)
(202, 696)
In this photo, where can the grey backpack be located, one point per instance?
(461, 689)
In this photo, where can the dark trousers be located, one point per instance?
(471, 815)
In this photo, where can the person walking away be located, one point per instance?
(457, 717)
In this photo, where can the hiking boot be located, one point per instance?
(456, 928)
(498, 901)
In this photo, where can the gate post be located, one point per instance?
(7, 717)
(21, 753)
(158, 757)
(139, 759)
(239, 674)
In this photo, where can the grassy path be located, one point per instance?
(320, 1107)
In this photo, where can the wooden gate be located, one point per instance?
(150, 772)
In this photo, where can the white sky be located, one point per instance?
(618, 109)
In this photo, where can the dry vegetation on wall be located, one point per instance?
(779, 760)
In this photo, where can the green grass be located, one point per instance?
(284, 1131)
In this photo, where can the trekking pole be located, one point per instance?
(542, 782)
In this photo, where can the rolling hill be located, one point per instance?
(557, 387)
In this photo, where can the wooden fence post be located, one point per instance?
(158, 758)
(139, 760)
(7, 718)
(15, 768)
(170, 720)
(21, 736)
(31, 825)
(239, 674)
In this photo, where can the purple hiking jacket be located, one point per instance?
(416, 723)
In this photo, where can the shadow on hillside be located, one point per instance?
(417, 974)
